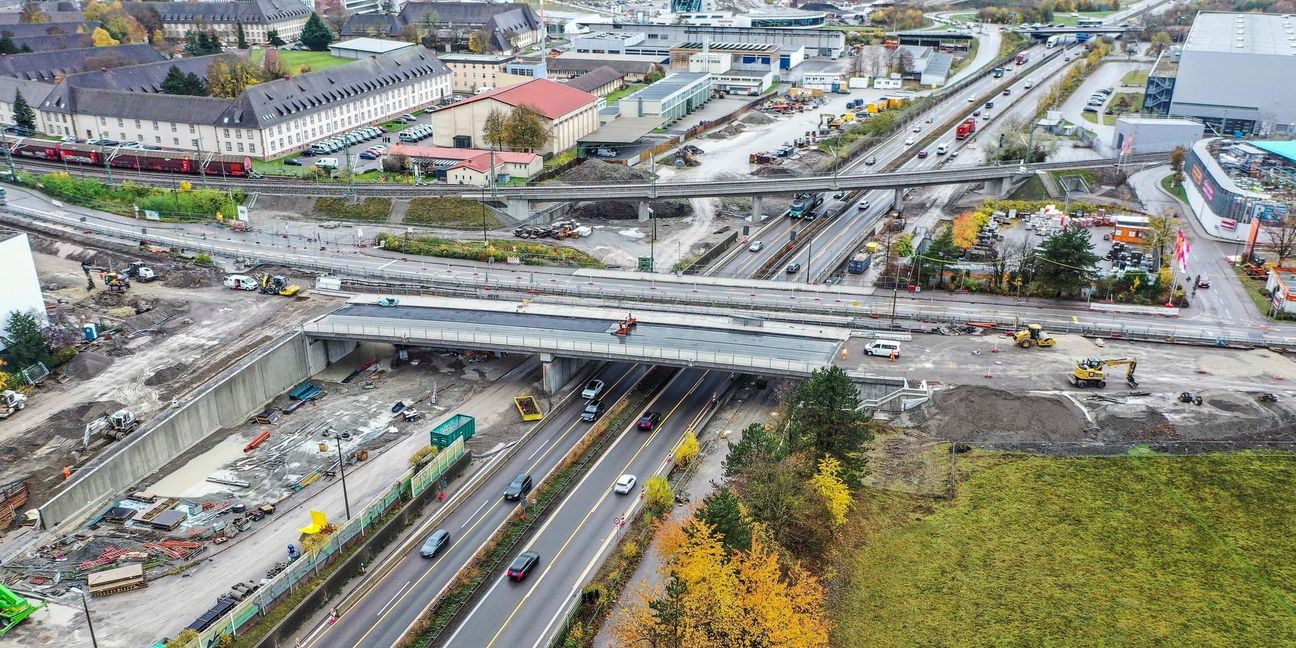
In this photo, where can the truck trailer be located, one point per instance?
(965, 129)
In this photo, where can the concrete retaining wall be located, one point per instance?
(229, 399)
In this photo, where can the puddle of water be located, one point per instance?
(190, 480)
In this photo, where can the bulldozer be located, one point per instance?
(1093, 372)
(277, 285)
(115, 281)
(1033, 335)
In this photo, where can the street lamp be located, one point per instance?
(346, 501)
(86, 606)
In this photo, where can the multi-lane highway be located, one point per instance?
(577, 535)
(390, 601)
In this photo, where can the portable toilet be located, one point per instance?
(91, 331)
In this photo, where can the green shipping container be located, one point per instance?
(460, 426)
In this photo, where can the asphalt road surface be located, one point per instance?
(577, 535)
(395, 601)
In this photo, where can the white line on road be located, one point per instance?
(474, 513)
(393, 598)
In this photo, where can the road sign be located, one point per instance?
(152, 214)
(645, 264)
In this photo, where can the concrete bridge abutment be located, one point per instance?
(557, 371)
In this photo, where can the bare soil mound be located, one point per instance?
(984, 415)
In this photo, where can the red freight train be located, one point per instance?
(236, 166)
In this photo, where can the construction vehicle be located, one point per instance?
(115, 281)
(114, 426)
(139, 271)
(11, 402)
(278, 285)
(623, 327)
(965, 129)
(13, 609)
(1093, 372)
(1033, 335)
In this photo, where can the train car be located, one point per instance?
(141, 160)
(236, 166)
(80, 154)
(34, 148)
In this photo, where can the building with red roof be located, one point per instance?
(568, 113)
(469, 166)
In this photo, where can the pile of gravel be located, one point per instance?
(757, 119)
(86, 365)
(600, 172)
(979, 414)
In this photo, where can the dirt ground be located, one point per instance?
(158, 340)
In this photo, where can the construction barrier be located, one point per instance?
(408, 486)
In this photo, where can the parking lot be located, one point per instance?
(417, 124)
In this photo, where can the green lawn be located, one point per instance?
(1135, 78)
(1112, 551)
(624, 92)
(966, 60)
(451, 213)
(1178, 192)
(1069, 20)
(293, 60)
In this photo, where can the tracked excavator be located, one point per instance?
(1093, 372)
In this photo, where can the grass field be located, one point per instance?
(1113, 551)
(1135, 78)
(1178, 192)
(293, 60)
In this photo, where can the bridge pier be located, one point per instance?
(556, 372)
(898, 202)
(998, 187)
(519, 209)
(644, 212)
(756, 215)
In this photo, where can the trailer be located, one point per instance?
(528, 408)
(115, 581)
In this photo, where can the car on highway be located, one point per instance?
(1007, 91)
(917, 128)
(870, 160)
(756, 246)
(592, 411)
(942, 149)
(971, 99)
(518, 488)
(439, 540)
(865, 204)
(624, 485)
(649, 421)
(922, 153)
(592, 389)
(522, 565)
(1203, 282)
(976, 113)
(989, 105)
(909, 142)
(793, 268)
(1030, 83)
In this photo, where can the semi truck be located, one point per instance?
(965, 129)
(805, 204)
(998, 73)
(1022, 57)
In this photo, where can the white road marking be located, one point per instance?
(474, 513)
(393, 598)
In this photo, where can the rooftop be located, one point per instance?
(1285, 149)
(243, 11)
(549, 98)
(1243, 33)
(50, 66)
(461, 154)
(375, 45)
(625, 130)
(729, 47)
(608, 35)
(595, 79)
(668, 86)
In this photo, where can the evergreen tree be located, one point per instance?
(1066, 263)
(180, 83)
(7, 46)
(315, 35)
(941, 251)
(723, 511)
(25, 345)
(273, 38)
(242, 37)
(756, 448)
(23, 115)
(828, 419)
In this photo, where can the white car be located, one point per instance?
(624, 485)
(971, 99)
(592, 389)
(864, 205)
(756, 246)
(909, 142)
(917, 128)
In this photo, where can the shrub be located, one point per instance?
(499, 251)
(423, 455)
(659, 498)
(450, 212)
(203, 259)
(64, 354)
(688, 450)
(369, 209)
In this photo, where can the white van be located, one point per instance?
(942, 149)
(327, 163)
(241, 282)
(882, 348)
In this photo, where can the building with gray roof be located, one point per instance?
(265, 121)
(26, 30)
(257, 17)
(54, 65)
(599, 82)
(512, 25)
(53, 42)
(670, 99)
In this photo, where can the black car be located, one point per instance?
(522, 565)
(793, 268)
(593, 410)
(989, 105)
(293, 161)
(649, 421)
(518, 488)
(870, 160)
(435, 543)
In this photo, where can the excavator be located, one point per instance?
(1033, 335)
(1093, 372)
(277, 285)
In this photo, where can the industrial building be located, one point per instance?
(568, 114)
(730, 78)
(1139, 134)
(759, 17)
(670, 99)
(472, 73)
(358, 48)
(20, 291)
(569, 65)
(1230, 184)
(1226, 72)
(751, 56)
(821, 43)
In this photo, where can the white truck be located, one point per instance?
(11, 402)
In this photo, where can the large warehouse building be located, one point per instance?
(1227, 72)
(20, 291)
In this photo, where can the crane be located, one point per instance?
(1093, 372)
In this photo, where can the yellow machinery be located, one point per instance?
(1093, 373)
(1033, 335)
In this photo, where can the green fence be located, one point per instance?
(410, 485)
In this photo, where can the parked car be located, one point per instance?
(439, 540)
(522, 565)
(649, 421)
(368, 155)
(293, 161)
(756, 246)
(518, 488)
(592, 389)
(593, 410)
(382, 301)
(624, 485)
(882, 348)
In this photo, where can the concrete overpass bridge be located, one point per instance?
(565, 338)
(519, 199)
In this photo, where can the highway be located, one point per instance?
(577, 535)
(847, 224)
(380, 614)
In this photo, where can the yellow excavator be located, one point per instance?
(1093, 372)
(1033, 335)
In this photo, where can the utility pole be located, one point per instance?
(103, 150)
(346, 500)
(13, 173)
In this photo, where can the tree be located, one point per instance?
(942, 250)
(905, 63)
(271, 66)
(724, 511)
(148, 18)
(1178, 155)
(688, 450)
(1066, 263)
(480, 42)
(1160, 41)
(23, 115)
(1282, 238)
(495, 128)
(202, 43)
(526, 129)
(1161, 231)
(395, 163)
(659, 498)
(32, 14)
(242, 37)
(756, 448)
(7, 46)
(228, 76)
(272, 37)
(834, 492)
(431, 24)
(829, 421)
(315, 35)
(118, 22)
(178, 82)
(25, 344)
(102, 38)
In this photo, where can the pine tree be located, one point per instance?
(1066, 263)
(23, 115)
(7, 46)
(25, 345)
(242, 37)
(315, 35)
(723, 510)
(273, 38)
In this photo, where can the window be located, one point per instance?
(157, 139)
(103, 121)
(120, 123)
(194, 143)
(240, 147)
(173, 127)
(226, 132)
(229, 147)
(252, 148)
(175, 141)
(191, 130)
